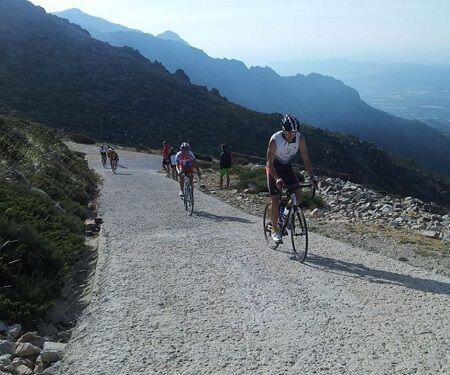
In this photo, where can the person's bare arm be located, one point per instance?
(305, 156)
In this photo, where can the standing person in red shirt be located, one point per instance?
(166, 158)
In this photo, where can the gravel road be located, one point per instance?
(204, 295)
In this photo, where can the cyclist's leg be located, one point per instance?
(274, 193)
(181, 181)
(228, 178)
(191, 179)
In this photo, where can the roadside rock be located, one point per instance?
(6, 347)
(429, 233)
(24, 370)
(8, 370)
(3, 327)
(5, 359)
(39, 366)
(26, 349)
(53, 370)
(32, 338)
(52, 352)
(317, 212)
(14, 331)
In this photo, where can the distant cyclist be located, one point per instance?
(185, 166)
(113, 156)
(166, 158)
(103, 154)
(282, 149)
(225, 165)
(173, 163)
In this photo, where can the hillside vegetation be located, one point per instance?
(44, 189)
(55, 73)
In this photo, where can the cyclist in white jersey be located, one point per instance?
(283, 147)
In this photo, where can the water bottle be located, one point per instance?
(285, 214)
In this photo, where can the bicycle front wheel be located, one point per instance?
(299, 235)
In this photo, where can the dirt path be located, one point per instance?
(203, 294)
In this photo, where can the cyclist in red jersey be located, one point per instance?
(185, 166)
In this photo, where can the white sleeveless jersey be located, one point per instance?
(286, 151)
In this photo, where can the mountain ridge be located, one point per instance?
(55, 73)
(321, 100)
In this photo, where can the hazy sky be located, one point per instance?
(261, 31)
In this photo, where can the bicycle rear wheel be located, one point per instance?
(267, 227)
(299, 235)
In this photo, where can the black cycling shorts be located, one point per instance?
(286, 173)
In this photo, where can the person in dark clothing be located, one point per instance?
(225, 165)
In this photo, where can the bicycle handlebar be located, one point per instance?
(310, 185)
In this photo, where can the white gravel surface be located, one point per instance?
(204, 294)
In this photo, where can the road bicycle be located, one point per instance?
(291, 222)
(188, 195)
(104, 157)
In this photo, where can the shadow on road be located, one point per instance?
(219, 218)
(358, 270)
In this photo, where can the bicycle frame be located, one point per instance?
(294, 204)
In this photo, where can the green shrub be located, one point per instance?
(44, 188)
(251, 177)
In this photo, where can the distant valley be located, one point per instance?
(406, 90)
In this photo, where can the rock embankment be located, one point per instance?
(28, 353)
(349, 202)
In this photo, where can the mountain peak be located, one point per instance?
(170, 35)
(89, 22)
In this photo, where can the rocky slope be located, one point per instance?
(27, 353)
